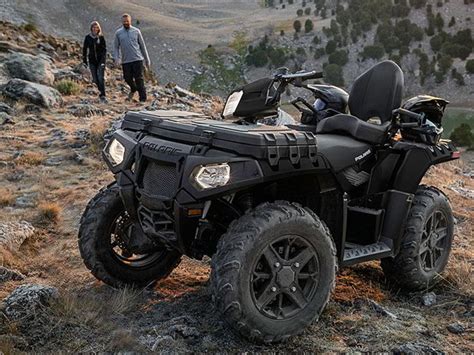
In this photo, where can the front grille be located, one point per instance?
(159, 179)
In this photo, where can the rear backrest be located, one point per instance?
(377, 92)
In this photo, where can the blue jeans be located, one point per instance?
(98, 72)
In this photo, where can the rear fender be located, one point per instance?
(416, 159)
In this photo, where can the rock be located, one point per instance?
(416, 348)
(53, 161)
(6, 108)
(85, 110)
(34, 93)
(66, 74)
(26, 201)
(162, 340)
(28, 299)
(184, 330)
(13, 234)
(456, 328)
(30, 68)
(382, 310)
(5, 118)
(428, 299)
(183, 92)
(10, 275)
(8, 46)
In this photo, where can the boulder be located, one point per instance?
(26, 300)
(37, 94)
(10, 275)
(5, 118)
(32, 68)
(6, 108)
(13, 234)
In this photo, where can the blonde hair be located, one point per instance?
(126, 15)
(96, 23)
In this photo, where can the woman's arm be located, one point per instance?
(84, 51)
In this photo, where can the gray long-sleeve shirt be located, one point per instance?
(129, 46)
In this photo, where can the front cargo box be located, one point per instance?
(256, 140)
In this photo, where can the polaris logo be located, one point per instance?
(363, 155)
(163, 149)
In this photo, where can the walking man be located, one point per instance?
(131, 52)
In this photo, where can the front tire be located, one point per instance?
(104, 251)
(426, 244)
(274, 271)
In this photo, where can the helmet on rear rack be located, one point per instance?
(431, 129)
(330, 97)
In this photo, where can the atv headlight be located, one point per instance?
(211, 176)
(116, 152)
(232, 104)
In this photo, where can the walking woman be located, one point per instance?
(94, 54)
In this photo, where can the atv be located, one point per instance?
(278, 208)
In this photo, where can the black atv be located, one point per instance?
(278, 208)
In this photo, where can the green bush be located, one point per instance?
(333, 74)
(470, 66)
(297, 25)
(463, 136)
(308, 26)
(299, 12)
(331, 46)
(375, 51)
(457, 77)
(444, 63)
(339, 57)
(30, 27)
(67, 87)
(452, 22)
(456, 50)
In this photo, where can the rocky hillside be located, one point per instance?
(431, 41)
(51, 132)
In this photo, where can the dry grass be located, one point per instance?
(67, 87)
(7, 198)
(49, 213)
(96, 138)
(31, 159)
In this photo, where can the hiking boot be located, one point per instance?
(103, 100)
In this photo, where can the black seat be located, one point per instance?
(375, 94)
(354, 127)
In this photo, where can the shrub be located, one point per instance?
(452, 22)
(470, 66)
(307, 11)
(444, 63)
(333, 74)
(375, 51)
(297, 25)
(463, 136)
(457, 77)
(456, 50)
(418, 4)
(67, 87)
(308, 26)
(31, 158)
(30, 27)
(299, 12)
(339, 57)
(6, 197)
(331, 46)
(48, 212)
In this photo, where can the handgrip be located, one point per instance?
(417, 116)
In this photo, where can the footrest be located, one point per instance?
(358, 253)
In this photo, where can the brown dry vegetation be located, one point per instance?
(89, 316)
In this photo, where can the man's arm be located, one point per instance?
(143, 49)
(84, 51)
(117, 49)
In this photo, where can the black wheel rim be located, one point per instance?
(119, 233)
(433, 246)
(285, 277)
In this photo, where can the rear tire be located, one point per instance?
(274, 271)
(104, 216)
(426, 244)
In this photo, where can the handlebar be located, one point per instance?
(302, 75)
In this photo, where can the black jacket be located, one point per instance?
(94, 50)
